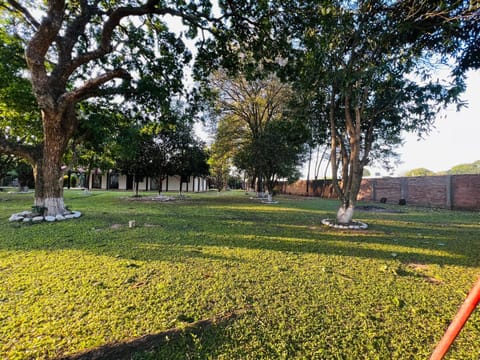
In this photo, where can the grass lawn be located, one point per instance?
(235, 279)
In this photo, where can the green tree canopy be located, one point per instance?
(370, 76)
(123, 51)
(256, 127)
(473, 168)
(419, 172)
(7, 164)
(278, 151)
(133, 154)
(19, 112)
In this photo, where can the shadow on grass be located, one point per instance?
(187, 230)
(165, 344)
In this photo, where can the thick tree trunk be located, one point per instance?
(48, 172)
(57, 129)
(137, 182)
(350, 144)
(160, 184)
(260, 187)
(345, 214)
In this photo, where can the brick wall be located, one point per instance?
(449, 191)
(466, 192)
(320, 188)
(428, 191)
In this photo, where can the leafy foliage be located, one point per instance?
(473, 168)
(160, 149)
(257, 131)
(419, 172)
(24, 174)
(93, 144)
(367, 74)
(449, 28)
(19, 113)
(7, 164)
(278, 152)
(134, 154)
(75, 51)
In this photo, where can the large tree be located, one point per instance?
(227, 138)
(95, 140)
(164, 146)
(254, 115)
(79, 50)
(372, 77)
(189, 159)
(278, 152)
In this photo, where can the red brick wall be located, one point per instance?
(428, 191)
(319, 188)
(366, 191)
(466, 192)
(449, 192)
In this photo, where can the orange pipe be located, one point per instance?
(458, 322)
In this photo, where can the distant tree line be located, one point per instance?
(461, 169)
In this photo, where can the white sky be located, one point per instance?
(455, 139)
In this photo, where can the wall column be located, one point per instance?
(449, 192)
(404, 188)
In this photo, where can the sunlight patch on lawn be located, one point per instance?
(266, 209)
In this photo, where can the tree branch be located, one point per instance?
(37, 49)
(28, 152)
(120, 13)
(67, 42)
(91, 87)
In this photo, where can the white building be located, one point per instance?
(113, 180)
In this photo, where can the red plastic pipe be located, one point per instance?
(458, 322)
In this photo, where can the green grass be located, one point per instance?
(300, 290)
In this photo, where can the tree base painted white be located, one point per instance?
(345, 215)
(354, 225)
(262, 195)
(53, 206)
(269, 200)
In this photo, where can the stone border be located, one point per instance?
(27, 217)
(269, 202)
(354, 225)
